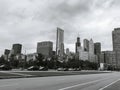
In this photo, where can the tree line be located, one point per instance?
(51, 63)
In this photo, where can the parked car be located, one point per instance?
(71, 69)
(43, 68)
(60, 69)
(65, 69)
(77, 69)
(5, 67)
(33, 68)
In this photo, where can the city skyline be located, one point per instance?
(27, 22)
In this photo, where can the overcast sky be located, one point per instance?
(31, 21)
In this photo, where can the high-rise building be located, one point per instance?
(60, 43)
(91, 51)
(116, 45)
(77, 45)
(45, 48)
(83, 55)
(91, 47)
(6, 52)
(16, 48)
(102, 57)
(86, 45)
(67, 51)
(109, 58)
(97, 48)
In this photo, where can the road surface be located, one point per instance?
(105, 81)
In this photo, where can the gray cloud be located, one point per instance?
(31, 21)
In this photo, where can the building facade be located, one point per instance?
(45, 48)
(60, 43)
(6, 54)
(116, 45)
(86, 45)
(31, 56)
(77, 45)
(16, 49)
(83, 55)
(91, 51)
(109, 57)
(97, 50)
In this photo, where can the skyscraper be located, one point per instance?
(77, 45)
(91, 47)
(109, 58)
(116, 45)
(67, 51)
(86, 45)
(45, 48)
(6, 52)
(16, 48)
(91, 51)
(97, 48)
(60, 43)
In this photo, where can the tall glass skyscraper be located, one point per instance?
(60, 42)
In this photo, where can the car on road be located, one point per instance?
(43, 68)
(74, 69)
(77, 69)
(33, 68)
(71, 69)
(5, 67)
(62, 69)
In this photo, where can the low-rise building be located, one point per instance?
(31, 56)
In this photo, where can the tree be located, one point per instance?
(39, 60)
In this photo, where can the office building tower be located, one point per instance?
(6, 52)
(67, 51)
(91, 51)
(83, 55)
(116, 45)
(86, 45)
(109, 58)
(60, 43)
(45, 48)
(77, 45)
(102, 57)
(16, 49)
(91, 47)
(97, 50)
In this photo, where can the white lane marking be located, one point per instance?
(109, 84)
(82, 84)
(9, 85)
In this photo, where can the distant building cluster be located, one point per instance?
(90, 51)
(15, 52)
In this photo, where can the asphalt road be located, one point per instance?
(105, 81)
